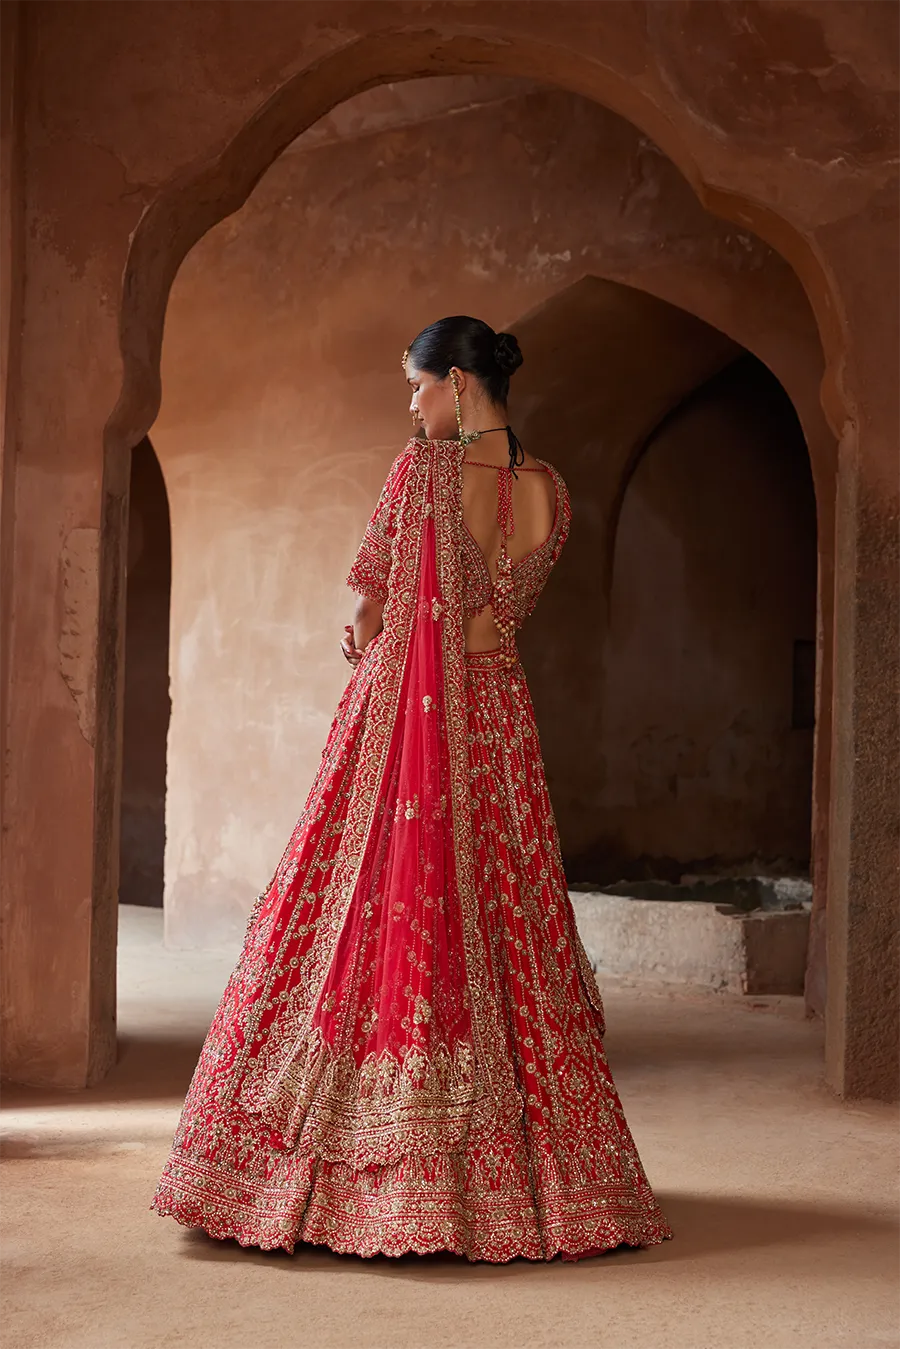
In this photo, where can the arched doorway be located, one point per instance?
(689, 581)
(147, 703)
(709, 705)
(208, 897)
(275, 391)
(672, 661)
(208, 191)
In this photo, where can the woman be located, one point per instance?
(408, 1055)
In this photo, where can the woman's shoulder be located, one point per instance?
(563, 509)
(552, 470)
(401, 463)
(412, 447)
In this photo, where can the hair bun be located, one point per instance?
(507, 353)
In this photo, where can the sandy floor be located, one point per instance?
(783, 1200)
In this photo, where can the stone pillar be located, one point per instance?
(62, 569)
(862, 1044)
(12, 228)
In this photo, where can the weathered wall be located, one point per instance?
(280, 413)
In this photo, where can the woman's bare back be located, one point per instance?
(533, 508)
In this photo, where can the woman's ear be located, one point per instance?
(457, 377)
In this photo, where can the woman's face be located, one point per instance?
(432, 400)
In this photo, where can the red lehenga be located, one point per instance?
(408, 1055)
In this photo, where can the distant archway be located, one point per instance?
(656, 406)
(708, 686)
(147, 703)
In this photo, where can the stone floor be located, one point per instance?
(783, 1200)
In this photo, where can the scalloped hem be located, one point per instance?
(603, 1237)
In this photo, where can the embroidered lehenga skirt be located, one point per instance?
(379, 1148)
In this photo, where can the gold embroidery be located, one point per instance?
(287, 1135)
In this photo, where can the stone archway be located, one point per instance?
(613, 370)
(287, 297)
(750, 184)
(188, 208)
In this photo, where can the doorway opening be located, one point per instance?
(147, 702)
(670, 660)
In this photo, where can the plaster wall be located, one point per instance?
(280, 414)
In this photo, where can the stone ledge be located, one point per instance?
(714, 946)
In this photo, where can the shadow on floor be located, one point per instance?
(146, 1070)
(704, 1227)
(663, 1045)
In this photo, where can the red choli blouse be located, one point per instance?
(519, 583)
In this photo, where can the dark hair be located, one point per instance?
(472, 345)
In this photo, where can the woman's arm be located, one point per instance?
(370, 574)
(367, 623)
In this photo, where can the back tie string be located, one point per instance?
(504, 486)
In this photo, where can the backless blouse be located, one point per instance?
(519, 583)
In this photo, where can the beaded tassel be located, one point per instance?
(504, 501)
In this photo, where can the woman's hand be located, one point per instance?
(349, 647)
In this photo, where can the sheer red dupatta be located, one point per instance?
(380, 1037)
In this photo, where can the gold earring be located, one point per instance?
(465, 438)
(456, 401)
